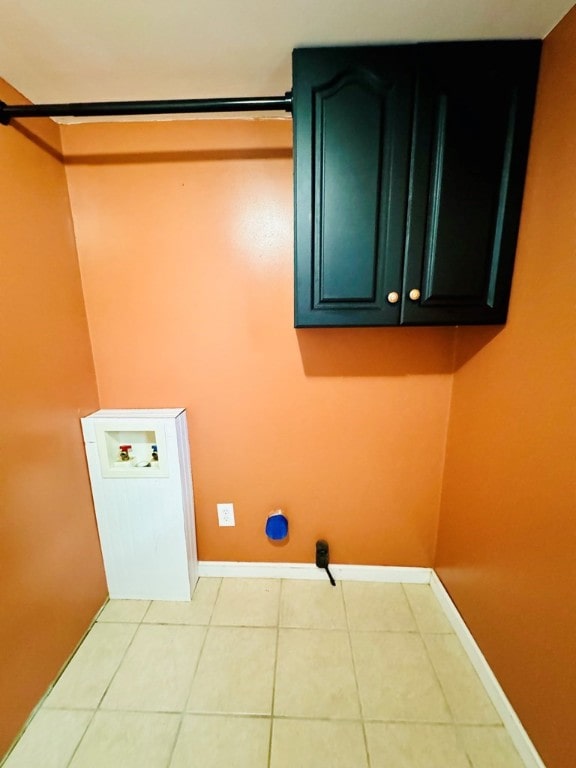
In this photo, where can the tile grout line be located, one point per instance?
(81, 739)
(429, 658)
(139, 624)
(272, 703)
(147, 611)
(438, 680)
(184, 710)
(97, 708)
(457, 725)
(349, 634)
(260, 716)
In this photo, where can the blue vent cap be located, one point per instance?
(276, 526)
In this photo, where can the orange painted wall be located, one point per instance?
(507, 536)
(51, 576)
(184, 234)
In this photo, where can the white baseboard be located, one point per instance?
(510, 719)
(394, 574)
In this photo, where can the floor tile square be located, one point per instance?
(156, 674)
(312, 605)
(490, 747)
(427, 610)
(402, 745)
(315, 675)
(127, 740)
(396, 679)
(50, 739)
(119, 611)
(87, 676)
(375, 606)
(236, 672)
(195, 611)
(314, 743)
(222, 742)
(464, 691)
(247, 603)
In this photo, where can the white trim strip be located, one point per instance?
(393, 574)
(510, 719)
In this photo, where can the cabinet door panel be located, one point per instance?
(469, 169)
(352, 116)
(472, 131)
(346, 210)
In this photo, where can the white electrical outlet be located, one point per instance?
(225, 514)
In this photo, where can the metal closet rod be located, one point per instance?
(167, 107)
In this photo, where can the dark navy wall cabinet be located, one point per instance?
(409, 171)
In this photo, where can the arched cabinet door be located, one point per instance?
(352, 125)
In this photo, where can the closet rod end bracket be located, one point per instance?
(4, 118)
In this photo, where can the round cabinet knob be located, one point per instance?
(414, 294)
(393, 297)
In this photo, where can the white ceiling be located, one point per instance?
(106, 50)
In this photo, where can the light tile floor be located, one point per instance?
(256, 673)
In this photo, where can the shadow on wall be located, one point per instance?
(26, 128)
(376, 351)
(182, 156)
(471, 339)
(391, 351)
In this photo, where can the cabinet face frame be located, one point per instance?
(409, 223)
